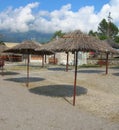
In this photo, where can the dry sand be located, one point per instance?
(47, 103)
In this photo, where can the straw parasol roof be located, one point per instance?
(43, 51)
(26, 47)
(112, 43)
(55, 45)
(78, 41)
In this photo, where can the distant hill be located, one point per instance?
(7, 36)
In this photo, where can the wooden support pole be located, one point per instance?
(75, 78)
(107, 63)
(67, 64)
(27, 82)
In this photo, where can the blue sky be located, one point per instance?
(53, 4)
(52, 15)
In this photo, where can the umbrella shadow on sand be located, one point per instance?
(58, 68)
(117, 70)
(90, 71)
(115, 67)
(58, 90)
(116, 74)
(23, 79)
(9, 73)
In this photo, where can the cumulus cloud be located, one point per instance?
(23, 19)
(17, 19)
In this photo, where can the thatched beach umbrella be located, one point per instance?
(56, 46)
(78, 41)
(43, 52)
(26, 47)
(75, 42)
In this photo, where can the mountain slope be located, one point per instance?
(8, 36)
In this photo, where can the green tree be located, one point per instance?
(113, 30)
(91, 33)
(103, 28)
(57, 34)
(107, 30)
(117, 39)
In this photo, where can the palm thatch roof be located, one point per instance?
(25, 47)
(41, 51)
(112, 43)
(78, 41)
(54, 46)
(28, 47)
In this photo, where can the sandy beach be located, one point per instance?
(47, 103)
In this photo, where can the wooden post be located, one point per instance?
(74, 58)
(107, 54)
(43, 61)
(54, 59)
(75, 78)
(45, 58)
(27, 83)
(67, 64)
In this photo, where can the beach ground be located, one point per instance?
(47, 103)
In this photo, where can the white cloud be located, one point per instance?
(114, 2)
(65, 19)
(17, 19)
(22, 19)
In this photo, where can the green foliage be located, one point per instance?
(113, 30)
(117, 39)
(91, 33)
(57, 34)
(106, 30)
(103, 27)
(102, 37)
